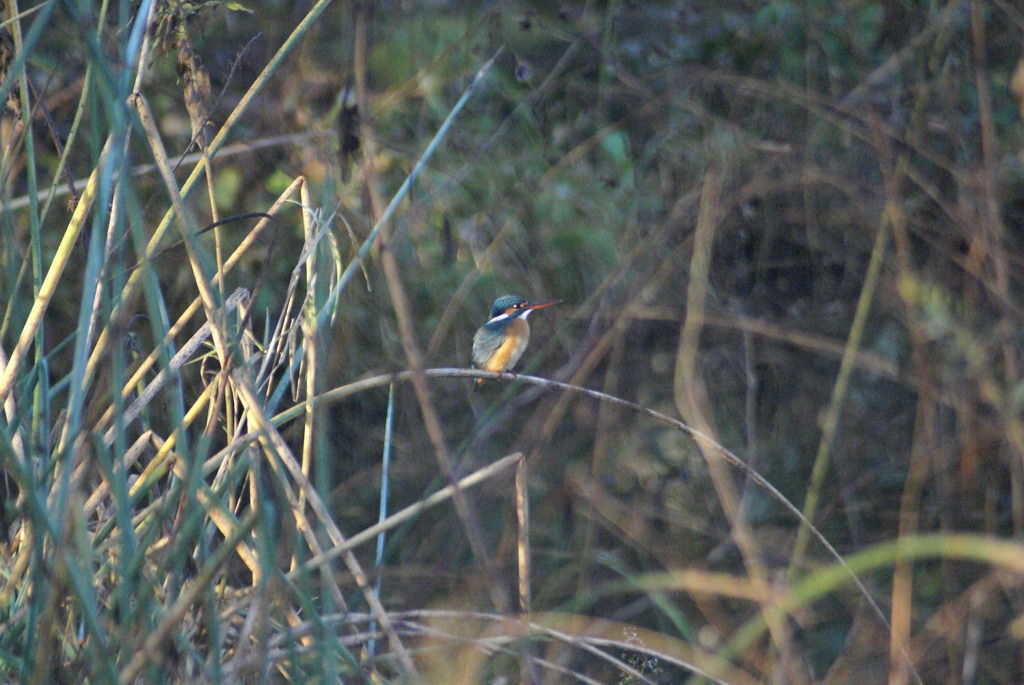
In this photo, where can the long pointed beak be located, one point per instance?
(541, 305)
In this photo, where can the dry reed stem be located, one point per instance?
(48, 287)
(211, 302)
(523, 564)
(830, 422)
(411, 511)
(310, 354)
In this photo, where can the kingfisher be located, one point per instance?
(500, 342)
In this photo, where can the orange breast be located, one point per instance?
(506, 356)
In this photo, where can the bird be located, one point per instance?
(500, 342)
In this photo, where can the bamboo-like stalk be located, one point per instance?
(310, 353)
(523, 535)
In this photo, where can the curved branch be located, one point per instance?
(345, 391)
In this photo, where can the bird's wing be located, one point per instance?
(485, 344)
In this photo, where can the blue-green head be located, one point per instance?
(511, 306)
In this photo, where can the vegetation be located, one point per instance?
(773, 433)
